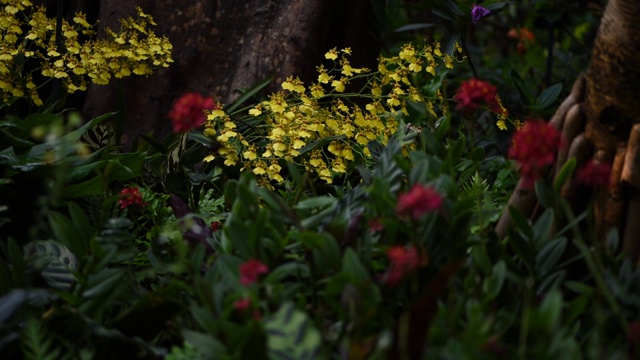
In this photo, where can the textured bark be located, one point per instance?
(222, 46)
(612, 107)
(612, 132)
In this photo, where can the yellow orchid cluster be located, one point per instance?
(320, 126)
(28, 45)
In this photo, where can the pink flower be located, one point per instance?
(130, 196)
(474, 93)
(594, 174)
(251, 270)
(534, 147)
(242, 304)
(404, 260)
(419, 201)
(189, 111)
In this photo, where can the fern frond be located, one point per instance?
(36, 343)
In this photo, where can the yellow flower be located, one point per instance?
(294, 85)
(338, 166)
(407, 52)
(317, 91)
(255, 111)
(250, 154)
(338, 85)
(331, 54)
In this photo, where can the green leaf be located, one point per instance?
(546, 194)
(36, 343)
(548, 96)
(613, 241)
(294, 269)
(65, 232)
(523, 87)
(58, 263)
(549, 311)
(520, 222)
(11, 302)
(542, 228)
(315, 202)
(207, 345)
(548, 257)
(291, 335)
(493, 284)
(353, 268)
(522, 248)
(80, 220)
(248, 94)
(103, 282)
(564, 174)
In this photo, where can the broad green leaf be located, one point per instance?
(291, 335)
(548, 257)
(542, 228)
(353, 268)
(315, 202)
(493, 284)
(103, 282)
(520, 222)
(57, 262)
(549, 95)
(564, 174)
(65, 232)
(523, 87)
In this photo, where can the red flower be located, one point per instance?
(524, 37)
(594, 173)
(188, 111)
(534, 147)
(473, 93)
(375, 225)
(242, 304)
(419, 201)
(215, 225)
(251, 270)
(130, 196)
(404, 260)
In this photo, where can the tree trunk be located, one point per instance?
(600, 120)
(224, 46)
(611, 109)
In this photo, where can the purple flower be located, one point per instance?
(478, 12)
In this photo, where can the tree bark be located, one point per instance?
(609, 98)
(612, 106)
(224, 46)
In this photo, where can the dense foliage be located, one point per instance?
(350, 218)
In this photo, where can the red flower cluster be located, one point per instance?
(251, 270)
(419, 201)
(534, 147)
(475, 92)
(404, 260)
(188, 111)
(594, 174)
(130, 196)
